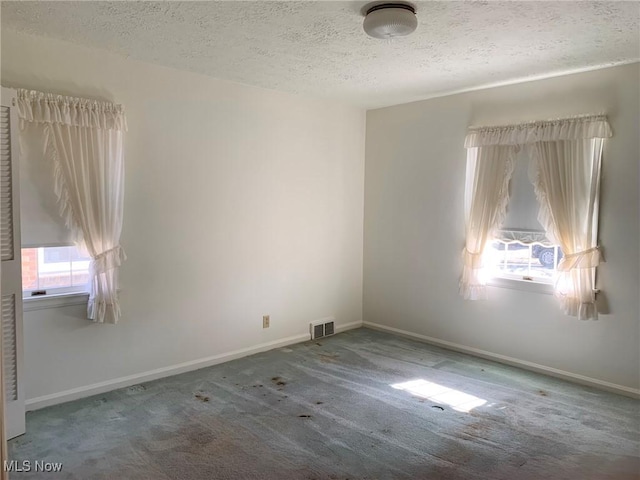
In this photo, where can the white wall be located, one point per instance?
(414, 228)
(239, 202)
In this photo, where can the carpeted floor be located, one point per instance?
(328, 410)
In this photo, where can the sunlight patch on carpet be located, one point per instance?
(457, 400)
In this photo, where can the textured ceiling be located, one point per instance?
(319, 49)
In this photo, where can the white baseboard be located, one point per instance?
(348, 326)
(553, 372)
(122, 382)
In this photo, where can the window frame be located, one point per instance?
(44, 302)
(54, 296)
(522, 285)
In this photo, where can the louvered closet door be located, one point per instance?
(11, 285)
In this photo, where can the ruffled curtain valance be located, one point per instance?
(575, 128)
(39, 107)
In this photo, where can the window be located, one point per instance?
(521, 250)
(531, 261)
(566, 160)
(54, 270)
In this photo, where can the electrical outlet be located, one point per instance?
(265, 321)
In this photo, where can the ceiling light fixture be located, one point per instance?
(390, 20)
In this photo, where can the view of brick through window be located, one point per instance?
(53, 268)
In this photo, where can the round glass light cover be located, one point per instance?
(390, 23)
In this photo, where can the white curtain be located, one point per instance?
(489, 170)
(84, 142)
(566, 176)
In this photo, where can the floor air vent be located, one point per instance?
(322, 328)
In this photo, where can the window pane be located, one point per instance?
(54, 270)
(55, 254)
(29, 269)
(79, 268)
(523, 261)
(546, 260)
(518, 258)
(49, 268)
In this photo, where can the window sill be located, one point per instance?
(522, 285)
(54, 301)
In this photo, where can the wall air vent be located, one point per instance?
(322, 328)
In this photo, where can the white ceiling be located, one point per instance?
(319, 49)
